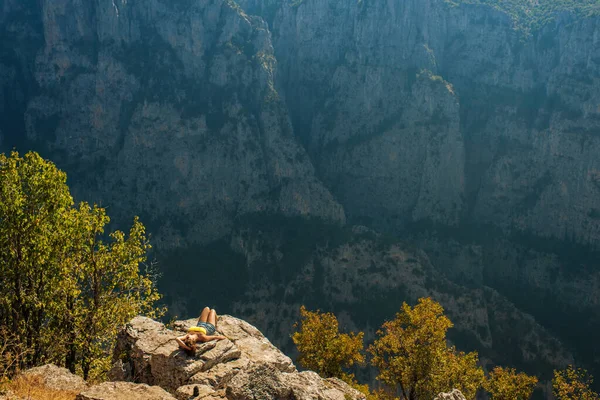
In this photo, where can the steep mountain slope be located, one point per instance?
(168, 109)
(527, 108)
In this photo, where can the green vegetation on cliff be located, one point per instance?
(529, 15)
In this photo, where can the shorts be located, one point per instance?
(210, 328)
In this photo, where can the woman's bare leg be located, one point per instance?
(212, 317)
(204, 315)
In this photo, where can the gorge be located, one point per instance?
(346, 155)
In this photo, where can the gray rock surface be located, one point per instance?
(251, 343)
(515, 135)
(188, 392)
(146, 353)
(454, 395)
(58, 378)
(263, 381)
(124, 391)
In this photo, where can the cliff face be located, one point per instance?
(169, 110)
(20, 29)
(519, 118)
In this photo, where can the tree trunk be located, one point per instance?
(71, 355)
(85, 367)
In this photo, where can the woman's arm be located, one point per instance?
(179, 341)
(207, 338)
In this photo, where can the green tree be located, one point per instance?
(506, 384)
(323, 348)
(63, 290)
(573, 384)
(412, 355)
(459, 370)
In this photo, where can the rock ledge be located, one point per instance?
(245, 366)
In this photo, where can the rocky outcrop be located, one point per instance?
(57, 378)
(146, 352)
(263, 381)
(50, 380)
(243, 367)
(148, 365)
(454, 395)
(124, 391)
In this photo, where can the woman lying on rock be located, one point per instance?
(204, 331)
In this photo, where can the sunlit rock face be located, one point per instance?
(169, 110)
(244, 366)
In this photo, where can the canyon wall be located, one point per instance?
(168, 110)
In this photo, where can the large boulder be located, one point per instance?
(197, 392)
(220, 374)
(146, 352)
(244, 366)
(252, 344)
(57, 378)
(124, 391)
(453, 395)
(263, 382)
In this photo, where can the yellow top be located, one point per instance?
(198, 329)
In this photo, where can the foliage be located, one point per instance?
(323, 348)
(412, 355)
(573, 384)
(461, 370)
(506, 384)
(63, 290)
(380, 394)
(529, 16)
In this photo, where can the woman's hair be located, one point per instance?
(191, 343)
